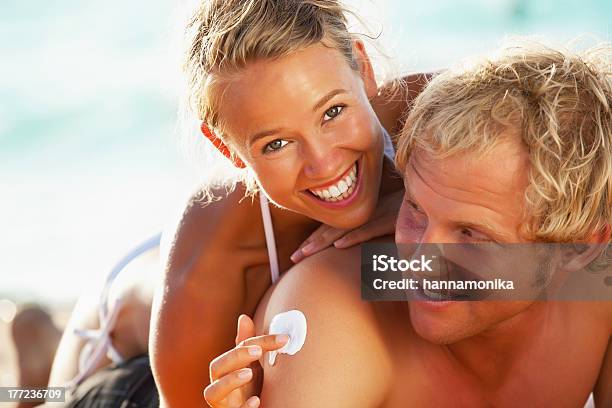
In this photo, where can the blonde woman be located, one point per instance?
(289, 95)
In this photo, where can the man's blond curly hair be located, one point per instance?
(561, 105)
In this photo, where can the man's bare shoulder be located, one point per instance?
(342, 337)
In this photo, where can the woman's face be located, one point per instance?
(305, 126)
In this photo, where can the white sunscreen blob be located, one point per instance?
(293, 324)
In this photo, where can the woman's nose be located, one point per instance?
(321, 160)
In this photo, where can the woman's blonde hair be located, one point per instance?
(224, 35)
(559, 102)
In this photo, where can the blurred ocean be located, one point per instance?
(88, 94)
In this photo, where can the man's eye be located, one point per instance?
(332, 112)
(467, 232)
(275, 145)
(476, 236)
(414, 206)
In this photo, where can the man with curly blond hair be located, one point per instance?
(513, 149)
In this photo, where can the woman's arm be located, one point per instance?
(199, 300)
(391, 105)
(603, 388)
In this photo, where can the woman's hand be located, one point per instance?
(235, 376)
(382, 223)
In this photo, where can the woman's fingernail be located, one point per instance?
(253, 402)
(254, 351)
(340, 242)
(296, 256)
(308, 248)
(245, 373)
(282, 339)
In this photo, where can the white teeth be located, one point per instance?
(341, 190)
(348, 180)
(434, 295)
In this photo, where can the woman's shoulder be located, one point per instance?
(209, 212)
(208, 223)
(222, 201)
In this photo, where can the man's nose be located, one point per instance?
(434, 234)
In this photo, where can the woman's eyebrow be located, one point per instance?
(262, 134)
(327, 97)
(321, 102)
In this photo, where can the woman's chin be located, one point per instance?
(350, 219)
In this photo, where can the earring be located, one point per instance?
(219, 145)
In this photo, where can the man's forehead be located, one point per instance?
(500, 170)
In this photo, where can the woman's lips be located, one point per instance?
(339, 189)
(342, 192)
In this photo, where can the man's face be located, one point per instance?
(465, 199)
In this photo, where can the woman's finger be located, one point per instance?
(376, 228)
(318, 243)
(247, 352)
(220, 389)
(237, 358)
(246, 328)
(252, 402)
(267, 342)
(298, 255)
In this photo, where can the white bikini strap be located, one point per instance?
(269, 232)
(388, 149)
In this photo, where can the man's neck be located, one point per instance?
(490, 356)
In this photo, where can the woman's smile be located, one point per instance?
(340, 191)
(315, 129)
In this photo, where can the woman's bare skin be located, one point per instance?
(131, 334)
(246, 270)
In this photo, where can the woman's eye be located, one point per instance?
(332, 112)
(275, 145)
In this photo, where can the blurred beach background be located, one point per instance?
(89, 159)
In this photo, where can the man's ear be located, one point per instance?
(220, 146)
(578, 256)
(365, 69)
